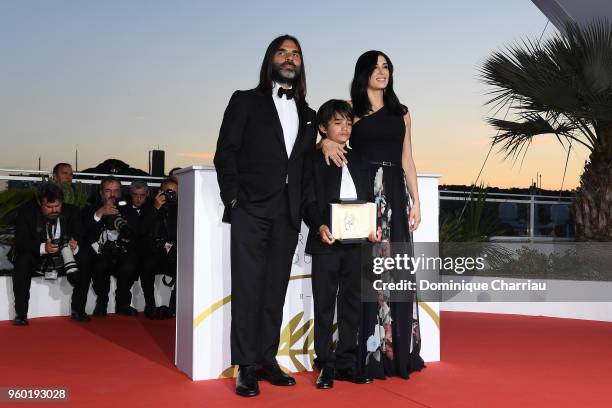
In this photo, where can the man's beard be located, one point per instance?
(285, 76)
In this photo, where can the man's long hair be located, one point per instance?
(265, 74)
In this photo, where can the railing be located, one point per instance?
(85, 178)
(521, 216)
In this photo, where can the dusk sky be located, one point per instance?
(119, 78)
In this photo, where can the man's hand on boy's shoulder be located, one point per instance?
(326, 235)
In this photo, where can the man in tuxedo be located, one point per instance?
(43, 227)
(264, 137)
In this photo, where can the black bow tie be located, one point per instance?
(289, 93)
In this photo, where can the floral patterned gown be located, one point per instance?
(389, 338)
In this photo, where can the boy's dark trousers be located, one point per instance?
(336, 275)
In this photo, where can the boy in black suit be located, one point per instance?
(336, 266)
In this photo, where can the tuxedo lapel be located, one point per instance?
(278, 128)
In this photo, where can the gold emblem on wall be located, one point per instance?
(291, 334)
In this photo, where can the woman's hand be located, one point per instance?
(414, 216)
(375, 237)
(334, 151)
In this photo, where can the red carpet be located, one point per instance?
(489, 361)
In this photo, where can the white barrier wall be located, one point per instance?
(203, 296)
(52, 298)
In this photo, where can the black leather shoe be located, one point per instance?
(152, 313)
(325, 379)
(20, 320)
(351, 376)
(246, 381)
(80, 316)
(165, 312)
(100, 311)
(126, 311)
(275, 375)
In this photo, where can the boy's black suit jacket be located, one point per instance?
(324, 189)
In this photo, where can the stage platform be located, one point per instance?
(488, 360)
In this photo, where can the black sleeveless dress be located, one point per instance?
(389, 337)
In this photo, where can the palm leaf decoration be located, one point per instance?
(563, 87)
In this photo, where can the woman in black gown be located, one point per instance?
(389, 339)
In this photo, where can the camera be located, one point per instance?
(171, 196)
(119, 223)
(63, 260)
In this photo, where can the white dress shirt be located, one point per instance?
(288, 115)
(347, 186)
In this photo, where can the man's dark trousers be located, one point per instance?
(262, 251)
(124, 268)
(23, 271)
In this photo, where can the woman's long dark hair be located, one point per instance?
(366, 64)
(265, 74)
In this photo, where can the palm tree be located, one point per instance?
(562, 87)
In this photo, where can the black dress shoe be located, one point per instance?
(246, 381)
(325, 379)
(152, 313)
(20, 320)
(100, 311)
(80, 316)
(165, 312)
(275, 375)
(126, 311)
(352, 376)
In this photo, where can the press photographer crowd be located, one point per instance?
(129, 237)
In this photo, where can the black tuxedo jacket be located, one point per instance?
(324, 189)
(140, 222)
(251, 158)
(91, 228)
(30, 227)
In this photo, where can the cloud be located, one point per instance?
(205, 155)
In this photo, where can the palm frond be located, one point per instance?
(514, 136)
(568, 74)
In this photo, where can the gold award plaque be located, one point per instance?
(353, 221)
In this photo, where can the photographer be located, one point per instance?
(162, 250)
(47, 235)
(139, 213)
(110, 241)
